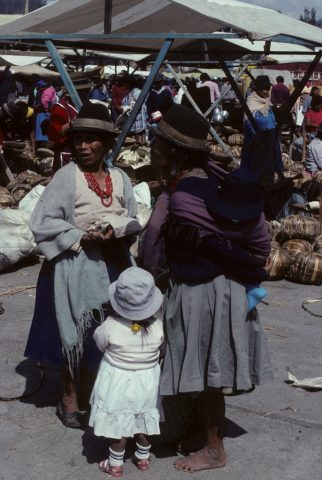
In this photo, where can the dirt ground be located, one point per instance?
(264, 439)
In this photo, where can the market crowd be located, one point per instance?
(100, 312)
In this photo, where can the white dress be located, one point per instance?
(125, 399)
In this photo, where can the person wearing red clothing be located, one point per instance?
(62, 117)
(118, 93)
(314, 116)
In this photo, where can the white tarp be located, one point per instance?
(152, 16)
(273, 74)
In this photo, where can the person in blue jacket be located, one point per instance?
(259, 103)
(97, 93)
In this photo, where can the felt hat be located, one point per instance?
(94, 117)
(262, 81)
(184, 127)
(34, 77)
(158, 78)
(239, 197)
(11, 109)
(134, 295)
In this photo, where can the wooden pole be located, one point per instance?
(5, 166)
(304, 140)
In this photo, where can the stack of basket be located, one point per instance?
(19, 156)
(296, 250)
(19, 188)
(233, 140)
(45, 157)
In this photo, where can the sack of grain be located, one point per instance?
(13, 249)
(299, 226)
(46, 166)
(295, 246)
(19, 192)
(236, 139)
(24, 177)
(282, 262)
(307, 268)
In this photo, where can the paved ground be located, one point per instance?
(264, 440)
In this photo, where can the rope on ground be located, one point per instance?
(18, 290)
(314, 300)
(11, 399)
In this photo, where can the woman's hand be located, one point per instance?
(97, 237)
(268, 264)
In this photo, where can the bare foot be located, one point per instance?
(207, 458)
(192, 442)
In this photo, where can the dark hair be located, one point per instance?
(313, 89)
(23, 107)
(185, 159)
(280, 79)
(140, 83)
(224, 79)
(316, 101)
(204, 76)
(296, 82)
(129, 81)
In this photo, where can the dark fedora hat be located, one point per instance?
(239, 197)
(158, 78)
(184, 127)
(94, 117)
(263, 81)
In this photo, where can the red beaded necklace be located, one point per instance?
(174, 184)
(94, 185)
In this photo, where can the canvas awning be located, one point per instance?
(136, 17)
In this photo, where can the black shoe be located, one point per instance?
(71, 420)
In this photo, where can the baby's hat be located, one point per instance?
(134, 295)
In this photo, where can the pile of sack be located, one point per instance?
(15, 191)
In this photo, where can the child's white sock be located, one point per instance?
(142, 453)
(116, 458)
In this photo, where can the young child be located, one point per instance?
(125, 401)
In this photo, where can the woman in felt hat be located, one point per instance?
(266, 154)
(206, 306)
(125, 399)
(80, 224)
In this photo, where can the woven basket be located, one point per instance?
(317, 246)
(229, 131)
(24, 177)
(221, 157)
(282, 262)
(19, 192)
(313, 190)
(318, 176)
(299, 182)
(46, 166)
(236, 151)
(275, 246)
(307, 268)
(5, 198)
(295, 246)
(44, 153)
(13, 144)
(298, 226)
(237, 139)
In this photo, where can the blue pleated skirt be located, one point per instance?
(44, 344)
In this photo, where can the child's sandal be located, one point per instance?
(140, 464)
(110, 469)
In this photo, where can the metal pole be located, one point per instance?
(108, 16)
(26, 7)
(297, 92)
(5, 166)
(238, 93)
(214, 105)
(4, 74)
(195, 106)
(139, 103)
(64, 75)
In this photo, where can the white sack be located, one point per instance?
(142, 194)
(29, 201)
(16, 223)
(13, 249)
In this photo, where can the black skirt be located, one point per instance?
(44, 344)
